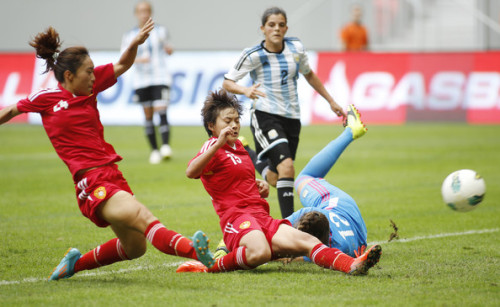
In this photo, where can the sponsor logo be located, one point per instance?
(100, 192)
(245, 225)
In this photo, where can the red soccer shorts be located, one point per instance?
(242, 224)
(97, 186)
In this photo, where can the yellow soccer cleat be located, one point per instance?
(353, 121)
(221, 250)
(243, 140)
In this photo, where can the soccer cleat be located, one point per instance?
(165, 151)
(200, 244)
(66, 267)
(243, 140)
(353, 121)
(221, 250)
(155, 157)
(192, 267)
(360, 251)
(367, 260)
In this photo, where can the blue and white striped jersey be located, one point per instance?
(277, 73)
(153, 72)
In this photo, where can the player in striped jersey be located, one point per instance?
(151, 81)
(71, 119)
(274, 66)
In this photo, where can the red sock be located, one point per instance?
(169, 241)
(331, 258)
(235, 260)
(107, 253)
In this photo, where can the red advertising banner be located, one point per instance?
(388, 88)
(16, 79)
(394, 88)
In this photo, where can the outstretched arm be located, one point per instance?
(8, 113)
(128, 56)
(317, 85)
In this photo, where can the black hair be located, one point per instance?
(216, 102)
(272, 11)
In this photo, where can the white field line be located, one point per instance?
(92, 273)
(439, 235)
(141, 268)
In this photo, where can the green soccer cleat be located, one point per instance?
(221, 250)
(366, 261)
(200, 244)
(66, 267)
(353, 121)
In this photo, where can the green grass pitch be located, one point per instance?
(442, 257)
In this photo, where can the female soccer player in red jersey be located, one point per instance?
(71, 119)
(250, 233)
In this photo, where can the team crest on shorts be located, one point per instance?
(272, 134)
(245, 225)
(100, 192)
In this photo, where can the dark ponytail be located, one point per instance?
(47, 45)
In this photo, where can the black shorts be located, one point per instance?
(276, 137)
(155, 95)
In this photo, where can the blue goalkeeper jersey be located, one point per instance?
(347, 228)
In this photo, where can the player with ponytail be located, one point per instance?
(71, 119)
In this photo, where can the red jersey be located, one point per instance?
(229, 178)
(72, 122)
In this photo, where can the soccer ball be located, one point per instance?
(463, 190)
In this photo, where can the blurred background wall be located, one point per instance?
(197, 25)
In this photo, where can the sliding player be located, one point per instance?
(330, 214)
(71, 119)
(250, 233)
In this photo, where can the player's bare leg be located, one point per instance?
(133, 224)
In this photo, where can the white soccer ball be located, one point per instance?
(463, 190)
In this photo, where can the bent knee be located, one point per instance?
(257, 257)
(137, 217)
(286, 169)
(135, 251)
